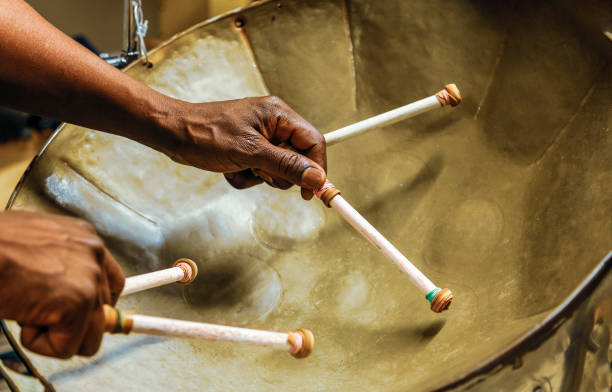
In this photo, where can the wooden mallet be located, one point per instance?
(449, 95)
(440, 299)
(298, 343)
(183, 271)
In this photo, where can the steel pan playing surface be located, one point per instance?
(504, 199)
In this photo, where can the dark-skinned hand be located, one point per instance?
(233, 137)
(56, 274)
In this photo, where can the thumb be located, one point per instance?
(292, 166)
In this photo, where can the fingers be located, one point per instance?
(303, 136)
(242, 179)
(111, 285)
(114, 276)
(58, 340)
(94, 333)
(285, 125)
(282, 125)
(83, 336)
(291, 166)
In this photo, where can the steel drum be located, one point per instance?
(505, 199)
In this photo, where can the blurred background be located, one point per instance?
(101, 21)
(99, 24)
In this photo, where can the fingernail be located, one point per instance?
(313, 178)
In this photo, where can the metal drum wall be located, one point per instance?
(505, 199)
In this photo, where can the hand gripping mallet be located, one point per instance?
(440, 299)
(298, 343)
(450, 95)
(183, 271)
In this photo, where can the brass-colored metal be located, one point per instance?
(506, 199)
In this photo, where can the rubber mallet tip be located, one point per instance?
(302, 343)
(453, 93)
(442, 301)
(190, 268)
(449, 96)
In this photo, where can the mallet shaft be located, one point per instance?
(440, 299)
(299, 343)
(183, 271)
(377, 239)
(449, 95)
(179, 328)
(142, 282)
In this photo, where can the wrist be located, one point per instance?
(165, 130)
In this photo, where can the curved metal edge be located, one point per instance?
(11, 200)
(24, 359)
(135, 63)
(205, 22)
(538, 335)
(5, 377)
(530, 341)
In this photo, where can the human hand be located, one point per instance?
(236, 136)
(55, 275)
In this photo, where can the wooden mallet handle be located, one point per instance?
(183, 271)
(440, 299)
(299, 343)
(449, 95)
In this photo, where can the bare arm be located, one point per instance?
(55, 273)
(45, 72)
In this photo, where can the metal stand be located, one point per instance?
(134, 32)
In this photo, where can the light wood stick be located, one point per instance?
(298, 343)
(183, 271)
(450, 95)
(440, 299)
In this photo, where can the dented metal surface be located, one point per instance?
(505, 199)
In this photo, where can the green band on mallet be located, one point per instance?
(432, 294)
(120, 321)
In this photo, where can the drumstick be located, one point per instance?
(440, 299)
(298, 343)
(183, 271)
(450, 95)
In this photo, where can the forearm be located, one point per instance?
(45, 72)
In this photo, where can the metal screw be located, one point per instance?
(239, 23)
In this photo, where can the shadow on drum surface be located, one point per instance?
(502, 199)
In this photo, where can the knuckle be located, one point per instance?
(251, 142)
(273, 100)
(83, 224)
(85, 295)
(318, 141)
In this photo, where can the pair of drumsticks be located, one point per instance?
(299, 343)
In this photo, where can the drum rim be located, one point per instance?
(536, 336)
(529, 341)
